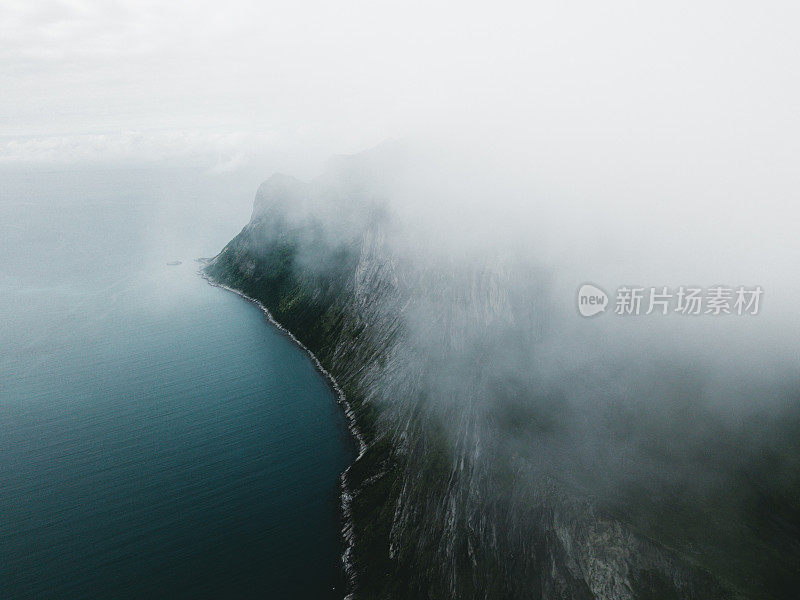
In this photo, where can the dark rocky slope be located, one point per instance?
(470, 485)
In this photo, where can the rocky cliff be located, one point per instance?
(469, 484)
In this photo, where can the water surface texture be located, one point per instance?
(157, 437)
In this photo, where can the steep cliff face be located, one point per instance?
(453, 496)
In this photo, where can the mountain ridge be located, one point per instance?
(430, 517)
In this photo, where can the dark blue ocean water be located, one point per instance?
(158, 439)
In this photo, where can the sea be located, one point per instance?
(158, 437)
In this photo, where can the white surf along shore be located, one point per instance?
(345, 494)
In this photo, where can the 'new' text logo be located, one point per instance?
(591, 300)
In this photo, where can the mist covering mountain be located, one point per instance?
(514, 450)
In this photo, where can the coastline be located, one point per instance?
(347, 531)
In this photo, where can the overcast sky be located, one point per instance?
(223, 82)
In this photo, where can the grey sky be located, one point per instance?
(220, 81)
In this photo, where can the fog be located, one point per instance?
(682, 427)
(614, 136)
(541, 145)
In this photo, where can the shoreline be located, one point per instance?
(347, 531)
